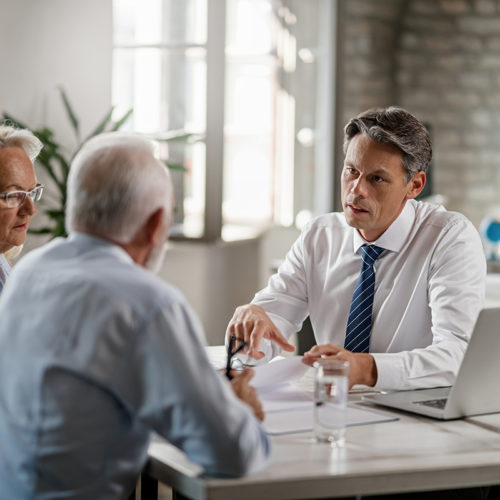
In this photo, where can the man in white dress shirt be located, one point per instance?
(96, 352)
(429, 279)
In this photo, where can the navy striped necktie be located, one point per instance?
(359, 324)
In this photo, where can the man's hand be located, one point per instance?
(251, 323)
(362, 367)
(242, 388)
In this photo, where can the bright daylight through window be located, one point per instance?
(238, 147)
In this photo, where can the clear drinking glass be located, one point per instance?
(330, 400)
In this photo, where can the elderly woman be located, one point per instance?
(18, 191)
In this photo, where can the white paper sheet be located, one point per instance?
(288, 408)
(301, 419)
(284, 397)
(279, 371)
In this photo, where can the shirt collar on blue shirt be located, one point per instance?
(88, 241)
(4, 270)
(395, 235)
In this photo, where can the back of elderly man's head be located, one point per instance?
(114, 186)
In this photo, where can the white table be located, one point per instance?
(411, 454)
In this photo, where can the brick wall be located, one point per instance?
(440, 59)
(368, 32)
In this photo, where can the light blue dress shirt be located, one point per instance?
(95, 353)
(4, 271)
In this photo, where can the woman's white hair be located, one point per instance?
(115, 183)
(21, 138)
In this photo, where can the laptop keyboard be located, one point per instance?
(433, 403)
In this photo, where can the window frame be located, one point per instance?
(327, 153)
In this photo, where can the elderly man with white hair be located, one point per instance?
(96, 352)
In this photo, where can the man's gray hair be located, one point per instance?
(115, 183)
(399, 128)
(21, 138)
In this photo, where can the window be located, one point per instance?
(216, 82)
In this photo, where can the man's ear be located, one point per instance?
(154, 225)
(415, 185)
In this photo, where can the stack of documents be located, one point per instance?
(289, 406)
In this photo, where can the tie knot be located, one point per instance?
(370, 253)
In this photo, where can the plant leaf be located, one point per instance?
(176, 166)
(46, 136)
(13, 121)
(101, 127)
(57, 213)
(174, 135)
(43, 230)
(64, 167)
(59, 230)
(118, 124)
(44, 161)
(71, 115)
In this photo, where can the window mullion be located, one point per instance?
(216, 28)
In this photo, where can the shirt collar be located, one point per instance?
(4, 269)
(395, 235)
(87, 242)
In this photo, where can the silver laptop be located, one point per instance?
(476, 387)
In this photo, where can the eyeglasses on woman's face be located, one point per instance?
(14, 199)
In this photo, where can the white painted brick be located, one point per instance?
(489, 61)
(478, 175)
(480, 118)
(479, 24)
(461, 99)
(419, 97)
(441, 43)
(479, 81)
(493, 43)
(446, 138)
(452, 62)
(491, 158)
(475, 139)
(457, 156)
(485, 6)
(404, 77)
(493, 98)
(412, 60)
(431, 24)
(454, 6)
(410, 41)
(469, 43)
(444, 117)
(424, 7)
(485, 192)
(435, 78)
